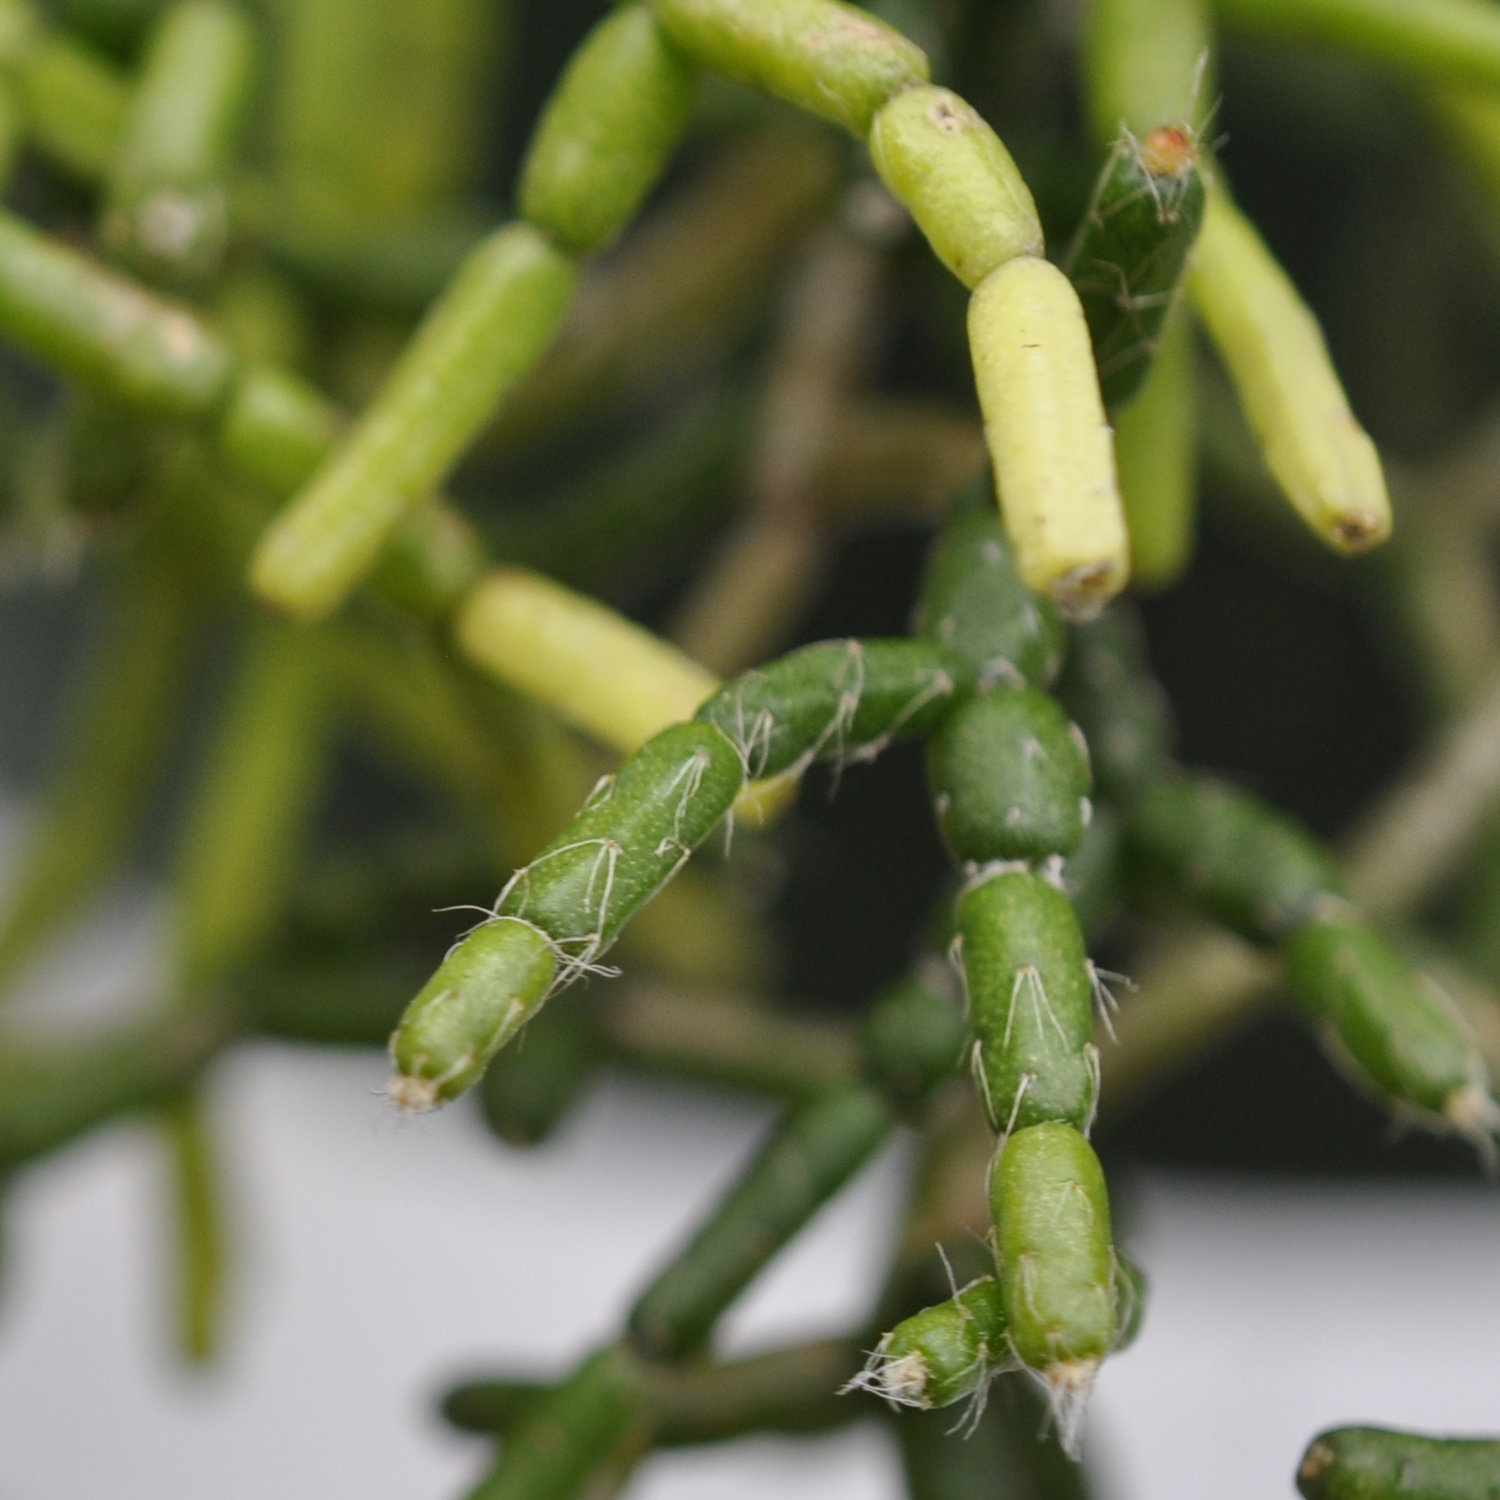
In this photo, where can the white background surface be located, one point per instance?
(378, 1261)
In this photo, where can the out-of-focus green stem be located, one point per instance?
(200, 1227)
(793, 1390)
(1444, 40)
(1147, 64)
(54, 1090)
(1156, 453)
(166, 204)
(584, 1436)
(89, 810)
(680, 290)
(106, 330)
(732, 1041)
(814, 1151)
(252, 806)
(749, 597)
(73, 104)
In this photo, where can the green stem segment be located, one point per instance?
(1056, 1263)
(1128, 258)
(488, 329)
(167, 208)
(788, 1391)
(588, 1431)
(1442, 40)
(607, 131)
(105, 330)
(1377, 1463)
(816, 1149)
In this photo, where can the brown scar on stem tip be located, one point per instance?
(1081, 595)
(1317, 1458)
(945, 117)
(1358, 529)
(1169, 150)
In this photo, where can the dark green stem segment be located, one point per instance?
(1233, 855)
(638, 827)
(1010, 778)
(587, 1431)
(1377, 1463)
(530, 1087)
(1402, 1034)
(787, 1391)
(837, 700)
(1128, 258)
(1031, 1002)
(1011, 1452)
(815, 1150)
(1108, 689)
(974, 605)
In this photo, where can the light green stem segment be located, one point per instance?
(1444, 40)
(582, 1438)
(815, 1150)
(607, 131)
(608, 677)
(105, 330)
(830, 59)
(1274, 351)
(277, 429)
(1156, 450)
(200, 1224)
(74, 104)
(952, 172)
(483, 992)
(166, 204)
(488, 329)
(1147, 63)
(1056, 1263)
(1044, 423)
(91, 806)
(1376, 1463)
(252, 805)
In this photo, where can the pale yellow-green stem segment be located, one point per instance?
(600, 672)
(1322, 458)
(591, 666)
(951, 171)
(1048, 437)
(1156, 454)
(832, 59)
